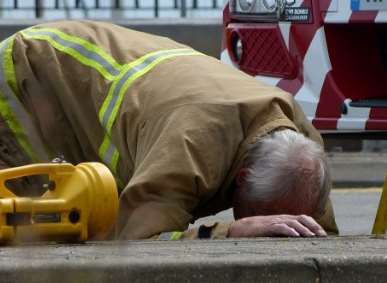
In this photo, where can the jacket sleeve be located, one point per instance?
(214, 231)
(182, 158)
(327, 219)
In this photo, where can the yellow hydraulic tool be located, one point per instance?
(380, 224)
(80, 203)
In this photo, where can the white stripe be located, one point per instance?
(343, 13)
(381, 17)
(356, 118)
(268, 80)
(18, 110)
(308, 101)
(316, 67)
(334, 6)
(372, 5)
(285, 31)
(298, 3)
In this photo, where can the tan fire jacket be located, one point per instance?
(173, 125)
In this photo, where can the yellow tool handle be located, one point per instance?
(82, 204)
(53, 170)
(36, 169)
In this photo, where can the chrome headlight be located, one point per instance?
(238, 49)
(247, 5)
(265, 10)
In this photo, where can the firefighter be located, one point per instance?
(183, 134)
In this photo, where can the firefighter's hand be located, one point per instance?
(276, 225)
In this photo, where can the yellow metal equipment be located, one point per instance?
(80, 203)
(380, 224)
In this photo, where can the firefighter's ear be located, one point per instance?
(241, 176)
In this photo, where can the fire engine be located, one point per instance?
(330, 54)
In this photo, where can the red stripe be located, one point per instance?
(363, 17)
(291, 86)
(303, 33)
(329, 106)
(376, 125)
(378, 113)
(378, 116)
(226, 21)
(325, 123)
(377, 119)
(300, 38)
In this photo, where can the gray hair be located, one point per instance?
(286, 152)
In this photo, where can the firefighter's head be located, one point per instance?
(285, 173)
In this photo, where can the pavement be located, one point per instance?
(354, 257)
(345, 259)
(358, 169)
(355, 209)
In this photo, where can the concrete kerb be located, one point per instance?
(332, 259)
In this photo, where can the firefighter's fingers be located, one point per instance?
(311, 224)
(300, 228)
(282, 229)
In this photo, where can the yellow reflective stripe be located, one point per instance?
(167, 236)
(88, 54)
(115, 158)
(76, 55)
(112, 103)
(111, 159)
(124, 71)
(88, 45)
(9, 69)
(109, 153)
(140, 67)
(15, 127)
(176, 235)
(9, 104)
(104, 147)
(130, 81)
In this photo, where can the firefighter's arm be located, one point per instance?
(182, 159)
(327, 219)
(254, 226)
(215, 230)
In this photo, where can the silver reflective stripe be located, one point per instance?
(109, 153)
(27, 136)
(112, 103)
(166, 236)
(170, 236)
(78, 47)
(110, 114)
(108, 157)
(124, 78)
